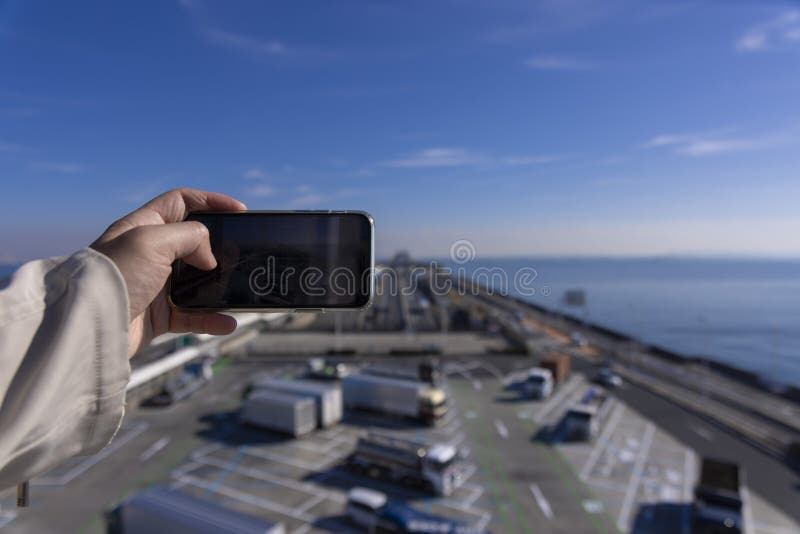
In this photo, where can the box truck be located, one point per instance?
(539, 383)
(288, 413)
(394, 396)
(582, 421)
(160, 509)
(558, 365)
(328, 397)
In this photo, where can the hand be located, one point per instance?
(143, 245)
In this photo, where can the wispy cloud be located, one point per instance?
(436, 157)
(783, 29)
(259, 190)
(709, 144)
(252, 45)
(62, 167)
(307, 200)
(515, 161)
(10, 147)
(254, 173)
(558, 63)
(461, 157)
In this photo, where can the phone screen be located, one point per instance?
(292, 260)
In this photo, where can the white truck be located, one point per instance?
(276, 410)
(435, 467)
(539, 383)
(582, 421)
(160, 509)
(328, 397)
(405, 398)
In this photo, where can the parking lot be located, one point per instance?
(303, 482)
(520, 477)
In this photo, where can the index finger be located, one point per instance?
(173, 206)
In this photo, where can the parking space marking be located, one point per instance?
(311, 503)
(273, 479)
(154, 448)
(291, 461)
(476, 492)
(458, 440)
(245, 497)
(469, 470)
(544, 505)
(747, 511)
(702, 432)
(492, 370)
(6, 517)
(93, 460)
(763, 528)
(636, 476)
(688, 474)
(602, 441)
(501, 428)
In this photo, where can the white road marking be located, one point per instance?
(764, 528)
(93, 460)
(541, 501)
(636, 477)
(747, 512)
(611, 425)
(702, 432)
(246, 497)
(154, 448)
(688, 474)
(501, 428)
(593, 506)
(311, 503)
(477, 384)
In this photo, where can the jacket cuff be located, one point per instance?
(102, 282)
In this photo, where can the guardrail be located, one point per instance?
(209, 346)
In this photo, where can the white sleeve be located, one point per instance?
(63, 361)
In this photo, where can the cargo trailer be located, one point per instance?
(327, 397)
(160, 509)
(291, 414)
(558, 365)
(394, 396)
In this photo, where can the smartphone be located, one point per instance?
(280, 260)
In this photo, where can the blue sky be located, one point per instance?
(606, 127)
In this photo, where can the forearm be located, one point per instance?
(63, 362)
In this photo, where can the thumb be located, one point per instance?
(186, 240)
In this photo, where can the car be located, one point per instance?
(375, 512)
(607, 377)
(577, 339)
(364, 507)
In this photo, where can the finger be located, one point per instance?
(202, 323)
(187, 241)
(172, 206)
(175, 205)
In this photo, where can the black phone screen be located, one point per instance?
(280, 260)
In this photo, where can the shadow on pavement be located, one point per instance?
(341, 477)
(224, 427)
